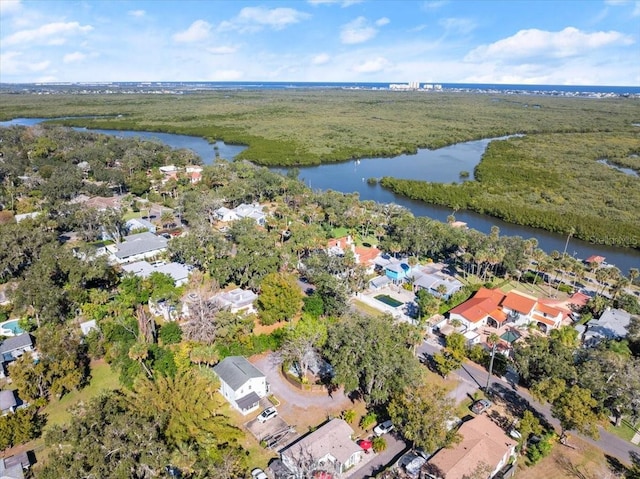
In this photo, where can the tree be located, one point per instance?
(379, 348)
(280, 298)
(428, 304)
(421, 414)
(200, 326)
(301, 342)
(528, 426)
(575, 409)
(170, 333)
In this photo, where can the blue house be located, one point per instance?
(397, 271)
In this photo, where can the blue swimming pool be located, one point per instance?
(12, 326)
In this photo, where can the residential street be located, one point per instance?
(473, 377)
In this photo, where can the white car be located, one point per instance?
(258, 473)
(267, 414)
(383, 428)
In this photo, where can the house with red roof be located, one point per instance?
(493, 308)
(595, 259)
(363, 255)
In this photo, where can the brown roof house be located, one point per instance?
(329, 448)
(484, 447)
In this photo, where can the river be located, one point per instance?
(442, 165)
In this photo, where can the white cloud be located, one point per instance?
(372, 66)
(382, 21)
(13, 64)
(434, 5)
(74, 57)
(343, 3)
(357, 31)
(253, 19)
(457, 25)
(636, 10)
(617, 2)
(10, 7)
(223, 50)
(534, 42)
(321, 59)
(136, 13)
(197, 31)
(51, 33)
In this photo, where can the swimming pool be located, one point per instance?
(10, 328)
(386, 299)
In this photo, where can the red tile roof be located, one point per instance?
(594, 259)
(483, 303)
(519, 302)
(546, 309)
(542, 319)
(367, 255)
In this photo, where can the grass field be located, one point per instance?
(102, 379)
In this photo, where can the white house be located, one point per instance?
(139, 225)
(225, 215)
(236, 300)
(8, 402)
(241, 383)
(612, 324)
(137, 247)
(177, 271)
(14, 347)
(329, 448)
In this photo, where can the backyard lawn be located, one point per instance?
(102, 379)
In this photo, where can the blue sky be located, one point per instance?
(541, 42)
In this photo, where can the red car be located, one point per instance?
(365, 444)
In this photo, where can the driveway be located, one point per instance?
(396, 447)
(300, 409)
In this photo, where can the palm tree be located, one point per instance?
(493, 341)
(139, 351)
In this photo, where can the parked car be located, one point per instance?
(267, 414)
(383, 428)
(481, 406)
(258, 473)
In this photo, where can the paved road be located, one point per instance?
(396, 447)
(472, 377)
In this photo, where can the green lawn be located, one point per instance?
(102, 379)
(624, 431)
(365, 308)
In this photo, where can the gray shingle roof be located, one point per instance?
(139, 244)
(15, 342)
(7, 400)
(236, 371)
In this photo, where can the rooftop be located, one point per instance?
(16, 342)
(139, 244)
(236, 371)
(333, 438)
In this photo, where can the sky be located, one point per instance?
(576, 42)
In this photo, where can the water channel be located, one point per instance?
(442, 165)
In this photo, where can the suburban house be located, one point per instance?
(12, 348)
(169, 172)
(483, 445)
(87, 326)
(493, 308)
(241, 383)
(397, 270)
(8, 402)
(194, 173)
(13, 467)
(244, 210)
(236, 300)
(612, 324)
(137, 247)
(100, 203)
(329, 448)
(139, 225)
(27, 216)
(594, 259)
(177, 271)
(364, 255)
(435, 282)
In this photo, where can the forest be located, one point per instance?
(552, 178)
(166, 411)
